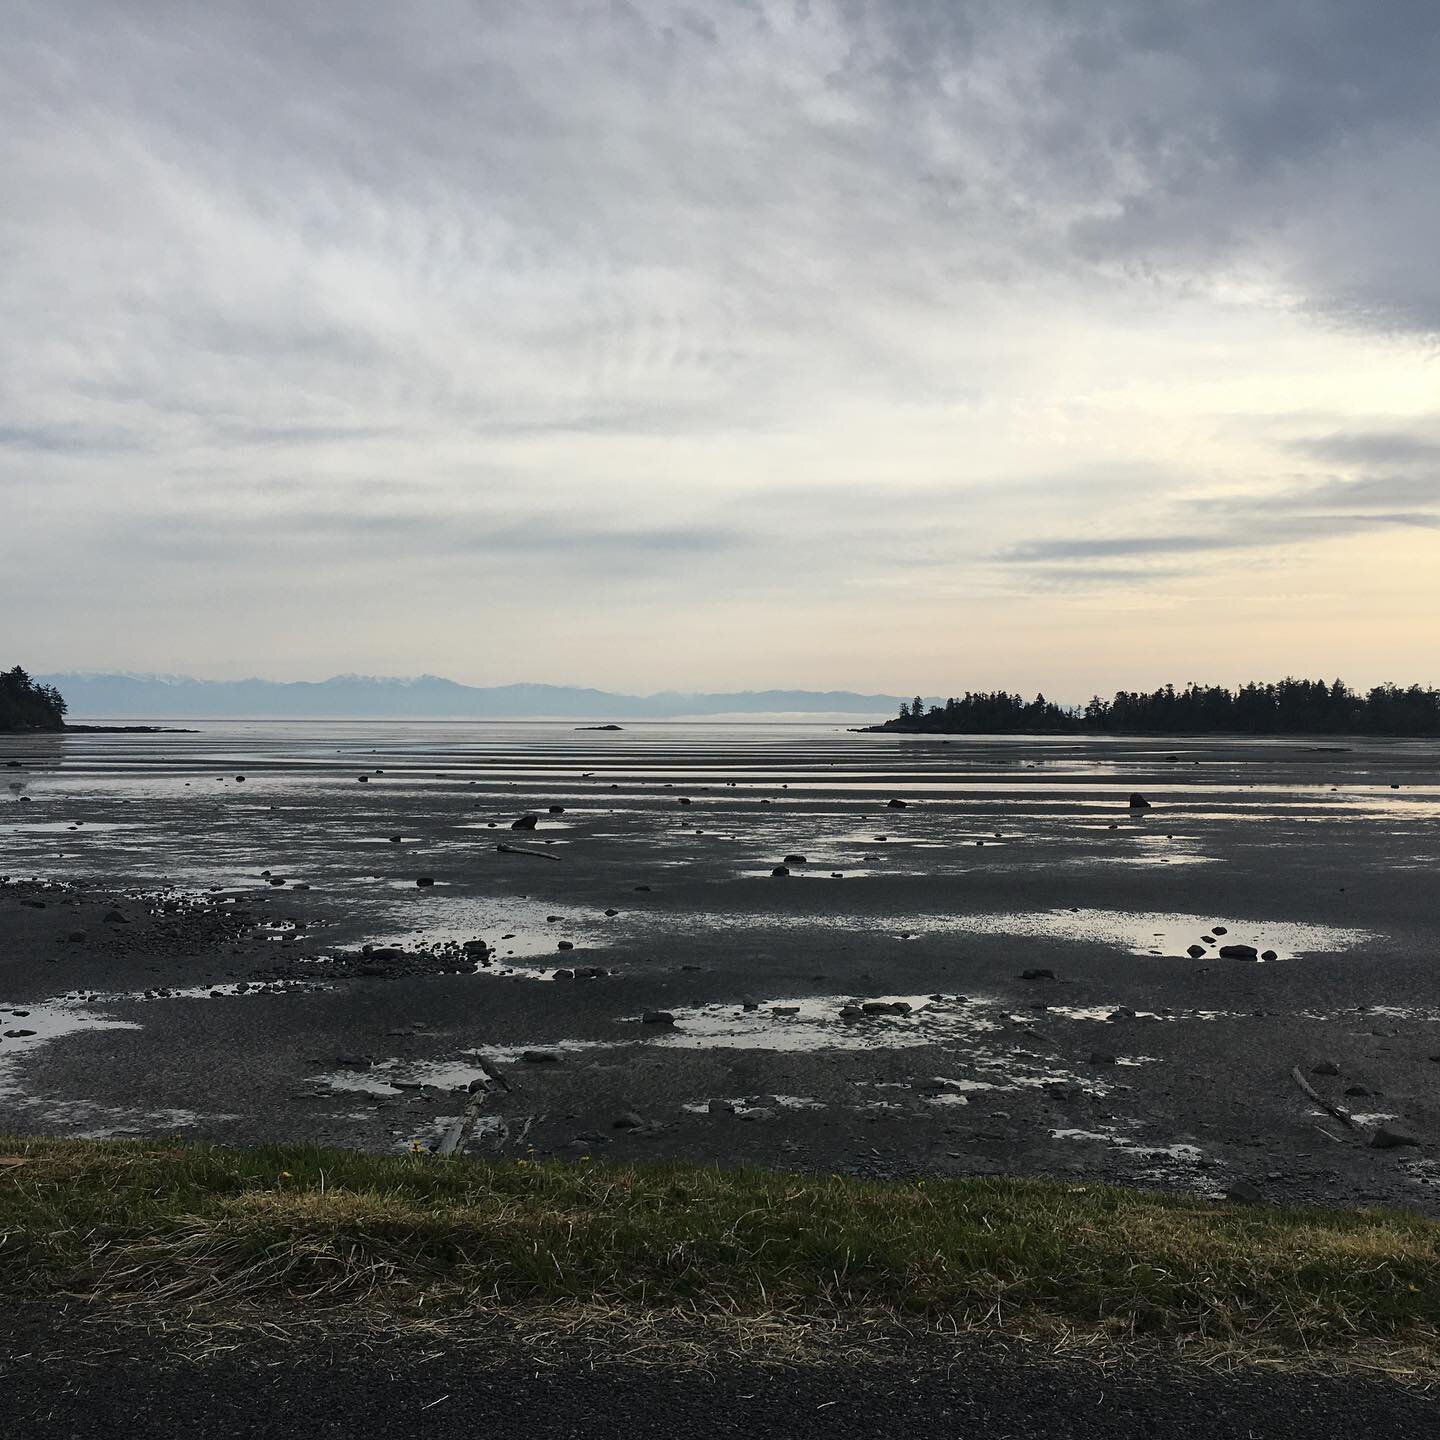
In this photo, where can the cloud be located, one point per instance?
(770, 305)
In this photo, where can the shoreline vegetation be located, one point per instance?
(411, 1238)
(1285, 707)
(27, 706)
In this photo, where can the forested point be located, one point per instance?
(1289, 707)
(24, 705)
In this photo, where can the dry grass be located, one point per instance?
(688, 1255)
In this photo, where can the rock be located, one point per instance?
(684, 800)
(363, 779)
(525, 822)
(1268, 955)
(566, 945)
(1391, 1137)
(896, 805)
(1195, 951)
(758, 1113)
(796, 860)
(1218, 930)
(1239, 952)
(720, 1107)
(1242, 1192)
(114, 917)
(612, 912)
(1354, 1091)
(1037, 974)
(540, 1057)
(354, 1062)
(781, 870)
(1325, 1067)
(556, 810)
(590, 972)
(784, 1009)
(564, 974)
(628, 1121)
(1099, 1057)
(1139, 802)
(396, 839)
(424, 881)
(876, 1007)
(1122, 1012)
(657, 1017)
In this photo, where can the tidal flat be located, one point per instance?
(879, 955)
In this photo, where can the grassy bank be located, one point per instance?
(281, 1226)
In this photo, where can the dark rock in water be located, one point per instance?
(612, 912)
(1139, 802)
(720, 1107)
(525, 822)
(1268, 955)
(17, 1034)
(1242, 1192)
(896, 805)
(363, 779)
(1325, 1067)
(628, 1121)
(396, 839)
(424, 880)
(781, 870)
(784, 1009)
(12, 764)
(1355, 1091)
(386, 952)
(540, 1057)
(556, 810)
(657, 1017)
(1195, 951)
(684, 799)
(566, 945)
(1239, 952)
(354, 1062)
(1391, 1137)
(1037, 974)
(796, 860)
(1219, 930)
(564, 974)
(1099, 1057)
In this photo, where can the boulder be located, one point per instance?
(1139, 802)
(896, 805)
(657, 1017)
(1325, 1067)
(1195, 951)
(781, 870)
(525, 822)
(1239, 952)
(1391, 1137)
(796, 860)
(540, 1057)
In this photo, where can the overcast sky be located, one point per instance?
(916, 344)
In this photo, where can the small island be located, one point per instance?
(29, 708)
(1285, 707)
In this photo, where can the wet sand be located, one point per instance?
(1133, 1061)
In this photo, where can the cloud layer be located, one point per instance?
(639, 344)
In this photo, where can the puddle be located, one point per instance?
(816, 1024)
(47, 1020)
(1157, 933)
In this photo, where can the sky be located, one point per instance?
(934, 345)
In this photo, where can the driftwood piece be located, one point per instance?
(458, 1135)
(526, 850)
(1343, 1116)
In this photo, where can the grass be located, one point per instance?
(296, 1226)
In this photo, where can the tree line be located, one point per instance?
(1286, 707)
(26, 705)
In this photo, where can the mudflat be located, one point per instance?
(975, 957)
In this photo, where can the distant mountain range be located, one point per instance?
(426, 697)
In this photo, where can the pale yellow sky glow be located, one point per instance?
(841, 345)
